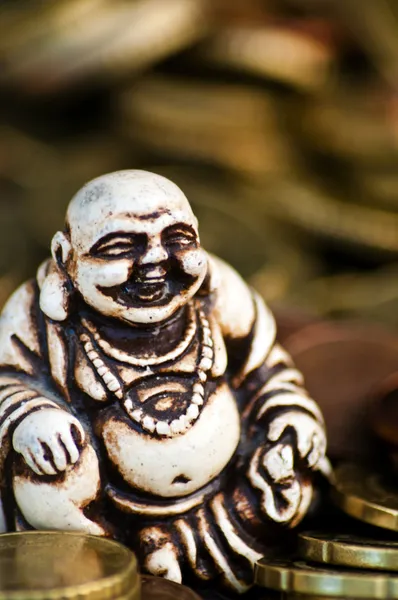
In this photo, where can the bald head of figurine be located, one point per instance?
(131, 247)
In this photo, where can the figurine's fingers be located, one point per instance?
(59, 455)
(312, 457)
(43, 462)
(279, 462)
(308, 431)
(304, 442)
(318, 450)
(310, 440)
(30, 461)
(47, 467)
(71, 447)
(276, 429)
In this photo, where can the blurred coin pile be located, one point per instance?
(279, 119)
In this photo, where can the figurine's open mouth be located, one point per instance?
(146, 289)
(140, 291)
(150, 290)
(156, 290)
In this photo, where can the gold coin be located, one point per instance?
(55, 565)
(366, 495)
(349, 551)
(121, 38)
(301, 577)
(307, 63)
(158, 588)
(313, 597)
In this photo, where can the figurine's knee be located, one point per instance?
(161, 554)
(59, 504)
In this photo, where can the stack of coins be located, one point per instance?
(38, 565)
(355, 558)
(57, 565)
(367, 494)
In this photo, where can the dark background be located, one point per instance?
(278, 118)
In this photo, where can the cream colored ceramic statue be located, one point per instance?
(143, 395)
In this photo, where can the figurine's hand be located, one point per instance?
(284, 496)
(279, 463)
(49, 440)
(310, 435)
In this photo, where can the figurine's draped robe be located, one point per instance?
(43, 364)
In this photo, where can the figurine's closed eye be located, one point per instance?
(119, 245)
(179, 235)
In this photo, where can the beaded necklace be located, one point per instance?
(91, 338)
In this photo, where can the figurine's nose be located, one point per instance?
(154, 253)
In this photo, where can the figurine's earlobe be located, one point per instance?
(56, 291)
(211, 280)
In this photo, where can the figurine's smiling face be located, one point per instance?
(136, 252)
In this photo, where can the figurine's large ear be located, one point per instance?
(56, 291)
(61, 249)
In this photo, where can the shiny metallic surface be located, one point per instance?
(57, 565)
(349, 551)
(298, 576)
(366, 495)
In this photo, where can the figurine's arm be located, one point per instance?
(34, 418)
(284, 423)
(280, 403)
(289, 428)
(261, 369)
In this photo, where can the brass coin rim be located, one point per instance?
(295, 596)
(307, 579)
(172, 587)
(362, 509)
(125, 585)
(346, 553)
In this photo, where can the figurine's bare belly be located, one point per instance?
(181, 465)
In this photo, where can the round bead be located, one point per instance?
(197, 399)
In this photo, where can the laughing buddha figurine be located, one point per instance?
(143, 395)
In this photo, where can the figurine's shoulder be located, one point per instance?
(234, 304)
(25, 301)
(20, 305)
(21, 319)
(18, 321)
